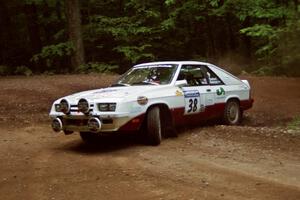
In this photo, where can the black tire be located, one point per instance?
(88, 137)
(232, 113)
(154, 128)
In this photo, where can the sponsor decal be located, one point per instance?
(220, 91)
(154, 66)
(191, 93)
(178, 93)
(105, 91)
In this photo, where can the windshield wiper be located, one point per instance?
(119, 84)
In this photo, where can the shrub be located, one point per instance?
(96, 68)
(294, 124)
(5, 70)
(264, 71)
(23, 70)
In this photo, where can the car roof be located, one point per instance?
(173, 62)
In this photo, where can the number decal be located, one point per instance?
(193, 105)
(192, 101)
(190, 105)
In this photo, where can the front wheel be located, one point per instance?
(232, 113)
(154, 129)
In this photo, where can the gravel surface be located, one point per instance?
(257, 160)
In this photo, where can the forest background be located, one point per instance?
(260, 37)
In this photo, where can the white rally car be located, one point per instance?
(154, 98)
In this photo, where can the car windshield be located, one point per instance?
(148, 75)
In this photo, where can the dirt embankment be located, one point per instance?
(258, 160)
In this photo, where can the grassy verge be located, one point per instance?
(294, 124)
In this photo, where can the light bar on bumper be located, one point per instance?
(107, 107)
(57, 125)
(94, 124)
(83, 106)
(63, 106)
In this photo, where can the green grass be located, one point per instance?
(294, 124)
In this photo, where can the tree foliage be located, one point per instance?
(259, 35)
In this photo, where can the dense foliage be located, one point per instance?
(260, 36)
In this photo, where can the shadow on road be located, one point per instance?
(121, 141)
(105, 144)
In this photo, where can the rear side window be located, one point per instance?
(212, 77)
(195, 75)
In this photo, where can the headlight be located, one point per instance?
(64, 106)
(111, 106)
(83, 106)
(107, 107)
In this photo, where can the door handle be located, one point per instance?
(208, 90)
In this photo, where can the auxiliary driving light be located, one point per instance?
(64, 106)
(83, 106)
(94, 124)
(57, 125)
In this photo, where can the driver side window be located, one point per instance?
(193, 74)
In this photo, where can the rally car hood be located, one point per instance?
(111, 92)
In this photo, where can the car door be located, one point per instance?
(217, 85)
(197, 93)
(218, 91)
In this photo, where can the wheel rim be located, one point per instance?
(233, 112)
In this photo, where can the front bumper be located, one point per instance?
(107, 123)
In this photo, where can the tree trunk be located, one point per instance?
(232, 41)
(7, 36)
(74, 31)
(211, 50)
(33, 31)
(296, 2)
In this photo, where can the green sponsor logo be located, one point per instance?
(220, 91)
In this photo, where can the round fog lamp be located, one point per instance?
(83, 106)
(64, 106)
(94, 124)
(57, 125)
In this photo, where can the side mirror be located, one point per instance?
(181, 83)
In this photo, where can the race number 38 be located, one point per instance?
(192, 102)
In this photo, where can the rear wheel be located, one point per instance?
(232, 113)
(154, 130)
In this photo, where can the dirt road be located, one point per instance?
(258, 160)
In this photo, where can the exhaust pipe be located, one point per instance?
(57, 125)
